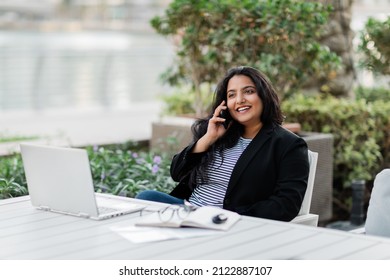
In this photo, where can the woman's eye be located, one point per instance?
(249, 91)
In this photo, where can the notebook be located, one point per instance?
(208, 217)
(59, 180)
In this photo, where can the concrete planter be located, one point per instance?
(177, 128)
(174, 133)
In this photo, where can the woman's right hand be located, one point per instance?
(215, 130)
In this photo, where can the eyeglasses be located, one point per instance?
(180, 211)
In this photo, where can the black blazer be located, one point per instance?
(269, 180)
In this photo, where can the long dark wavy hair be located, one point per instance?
(271, 114)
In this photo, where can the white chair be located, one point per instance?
(378, 219)
(304, 217)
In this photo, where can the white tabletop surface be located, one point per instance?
(29, 233)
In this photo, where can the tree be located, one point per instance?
(279, 37)
(375, 46)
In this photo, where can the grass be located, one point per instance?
(8, 139)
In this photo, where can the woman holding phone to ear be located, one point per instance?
(252, 166)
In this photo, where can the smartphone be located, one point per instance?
(225, 114)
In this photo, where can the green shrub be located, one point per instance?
(372, 94)
(279, 37)
(181, 102)
(381, 110)
(375, 46)
(118, 171)
(12, 178)
(10, 188)
(360, 129)
(125, 172)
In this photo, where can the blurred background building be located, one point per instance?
(74, 15)
(80, 72)
(80, 53)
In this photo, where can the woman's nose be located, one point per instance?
(240, 99)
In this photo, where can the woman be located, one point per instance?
(252, 165)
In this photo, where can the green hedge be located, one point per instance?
(360, 129)
(12, 178)
(119, 170)
(126, 172)
(372, 94)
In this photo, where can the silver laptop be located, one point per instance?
(59, 180)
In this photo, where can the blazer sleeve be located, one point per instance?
(181, 165)
(184, 162)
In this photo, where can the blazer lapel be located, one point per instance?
(257, 143)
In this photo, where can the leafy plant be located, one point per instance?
(9, 188)
(12, 178)
(117, 171)
(279, 37)
(361, 132)
(373, 94)
(182, 101)
(375, 46)
(126, 173)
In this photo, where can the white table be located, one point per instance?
(28, 233)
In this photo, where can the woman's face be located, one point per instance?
(243, 102)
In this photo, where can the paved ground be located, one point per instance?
(80, 128)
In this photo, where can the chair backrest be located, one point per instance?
(378, 219)
(305, 208)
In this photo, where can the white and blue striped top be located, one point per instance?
(212, 191)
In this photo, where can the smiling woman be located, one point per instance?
(253, 166)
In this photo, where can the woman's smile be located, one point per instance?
(244, 104)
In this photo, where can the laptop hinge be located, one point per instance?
(46, 208)
(84, 215)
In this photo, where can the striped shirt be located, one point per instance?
(212, 191)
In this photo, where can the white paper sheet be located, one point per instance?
(138, 234)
